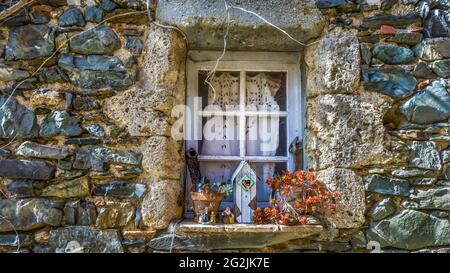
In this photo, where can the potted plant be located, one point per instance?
(295, 195)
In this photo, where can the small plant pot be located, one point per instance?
(201, 201)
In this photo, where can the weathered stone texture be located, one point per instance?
(351, 204)
(337, 70)
(204, 22)
(162, 203)
(345, 132)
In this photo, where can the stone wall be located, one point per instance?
(86, 154)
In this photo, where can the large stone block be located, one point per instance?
(28, 214)
(345, 132)
(29, 42)
(437, 198)
(29, 169)
(16, 120)
(205, 22)
(351, 205)
(430, 105)
(337, 70)
(161, 157)
(410, 230)
(89, 239)
(162, 203)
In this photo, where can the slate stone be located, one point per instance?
(14, 240)
(430, 105)
(432, 49)
(33, 149)
(326, 4)
(95, 158)
(387, 4)
(437, 198)
(411, 172)
(422, 71)
(410, 230)
(441, 68)
(60, 123)
(376, 21)
(108, 5)
(407, 38)
(120, 189)
(91, 62)
(389, 186)
(424, 155)
(12, 74)
(96, 130)
(392, 54)
(115, 215)
(71, 17)
(83, 141)
(5, 153)
(20, 188)
(422, 181)
(366, 54)
(91, 240)
(16, 120)
(76, 188)
(80, 213)
(99, 40)
(38, 170)
(134, 45)
(93, 14)
(392, 81)
(29, 42)
(53, 75)
(446, 156)
(29, 214)
(382, 209)
(436, 25)
(104, 79)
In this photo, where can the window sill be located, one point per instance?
(188, 226)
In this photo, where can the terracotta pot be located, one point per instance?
(200, 201)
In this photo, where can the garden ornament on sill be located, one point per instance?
(244, 187)
(227, 216)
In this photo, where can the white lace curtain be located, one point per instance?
(262, 132)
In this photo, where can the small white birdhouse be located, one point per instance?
(244, 192)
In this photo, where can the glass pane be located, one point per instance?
(219, 92)
(266, 136)
(220, 136)
(219, 173)
(266, 91)
(265, 170)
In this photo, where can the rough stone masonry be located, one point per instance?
(86, 153)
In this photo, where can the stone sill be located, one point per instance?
(189, 226)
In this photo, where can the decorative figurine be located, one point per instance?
(213, 218)
(204, 216)
(228, 216)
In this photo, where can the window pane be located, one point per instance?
(219, 173)
(220, 136)
(265, 171)
(266, 91)
(220, 92)
(266, 136)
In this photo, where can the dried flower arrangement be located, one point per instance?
(295, 196)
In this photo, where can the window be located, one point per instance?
(250, 109)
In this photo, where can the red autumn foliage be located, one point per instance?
(298, 194)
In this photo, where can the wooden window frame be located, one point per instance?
(240, 61)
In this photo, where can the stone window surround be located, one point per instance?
(289, 62)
